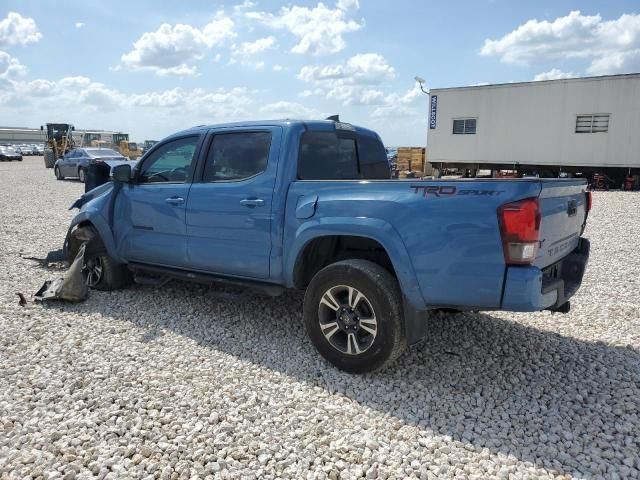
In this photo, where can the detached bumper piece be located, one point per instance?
(529, 289)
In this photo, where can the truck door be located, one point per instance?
(229, 212)
(149, 217)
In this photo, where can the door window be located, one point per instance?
(237, 156)
(171, 163)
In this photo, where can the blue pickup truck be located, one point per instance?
(280, 205)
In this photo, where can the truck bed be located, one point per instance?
(450, 228)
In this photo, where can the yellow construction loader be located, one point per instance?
(59, 141)
(126, 148)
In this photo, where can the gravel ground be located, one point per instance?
(183, 383)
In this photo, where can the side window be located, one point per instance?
(171, 163)
(325, 156)
(236, 156)
(373, 159)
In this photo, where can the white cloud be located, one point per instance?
(18, 30)
(402, 105)
(79, 24)
(173, 49)
(361, 69)
(284, 109)
(238, 9)
(83, 95)
(278, 68)
(553, 74)
(319, 30)
(348, 4)
(247, 49)
(616, 62)
(351, 82)
(10, 67)
(611, 46)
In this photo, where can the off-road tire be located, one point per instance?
(115, 275)
(49, 158)
(58, 173)
(382, 291)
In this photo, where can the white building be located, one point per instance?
(571, 125)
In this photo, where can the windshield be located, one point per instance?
(57, 130)
(7, 150)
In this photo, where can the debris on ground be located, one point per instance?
(71, 288)
(23, 301)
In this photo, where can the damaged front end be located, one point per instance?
(103, 189)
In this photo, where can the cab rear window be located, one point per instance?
(329, 156)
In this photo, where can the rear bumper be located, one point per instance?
(530, 289)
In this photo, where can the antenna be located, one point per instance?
(334, 118)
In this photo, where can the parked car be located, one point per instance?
(75, 163)
(309, 205)
(8, 154)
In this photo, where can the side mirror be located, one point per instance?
(73, 129)
(122, 173)
(41, 128)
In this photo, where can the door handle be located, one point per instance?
(252, 202)
(174, 200)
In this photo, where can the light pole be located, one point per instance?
(421, 81)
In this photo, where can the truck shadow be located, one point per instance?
(555, 401)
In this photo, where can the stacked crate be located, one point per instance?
(411, 159)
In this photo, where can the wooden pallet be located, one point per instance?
(411, 159)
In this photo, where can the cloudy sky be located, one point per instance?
(151, 68)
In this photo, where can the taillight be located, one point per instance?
(589, 202)
(520, 231)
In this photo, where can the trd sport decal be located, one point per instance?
(450, 190)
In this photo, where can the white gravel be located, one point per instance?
(178, 383)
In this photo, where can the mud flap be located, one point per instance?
(71, 288)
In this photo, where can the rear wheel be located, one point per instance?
(103, 272)
(82, 175)
(58, 173)
(353, 315)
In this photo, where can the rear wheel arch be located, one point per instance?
(324, 250)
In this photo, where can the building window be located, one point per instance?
(462, 126)
(592, 123)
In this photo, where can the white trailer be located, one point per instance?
(577, 126)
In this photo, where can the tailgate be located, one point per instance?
(563, 205)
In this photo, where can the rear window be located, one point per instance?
(106, 152)
(328, 156)
(374, 163)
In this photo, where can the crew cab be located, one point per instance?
(277, 205)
